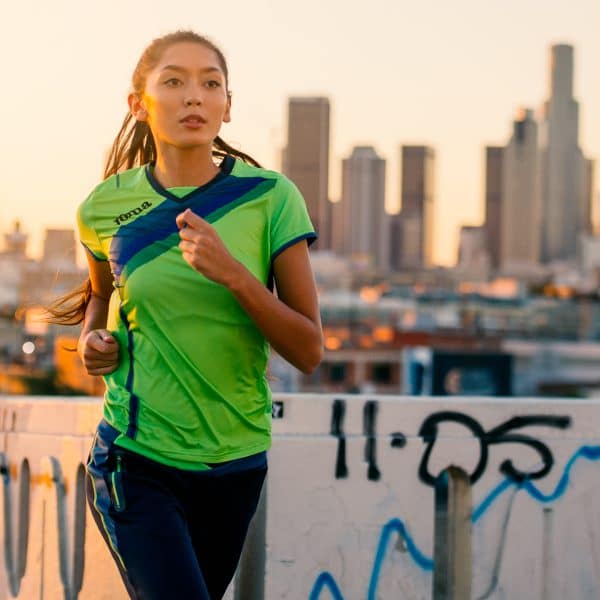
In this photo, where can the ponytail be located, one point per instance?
(70, 308)
(134, 145)
(222, 149)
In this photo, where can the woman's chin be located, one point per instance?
(191, 142)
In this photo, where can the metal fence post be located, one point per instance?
(452, 536)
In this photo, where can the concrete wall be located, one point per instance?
(349, 502)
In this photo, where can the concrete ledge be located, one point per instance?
(349, 501)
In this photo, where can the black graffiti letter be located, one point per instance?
(429, 433)
(369, 427)
(499, 435)
(337, 429)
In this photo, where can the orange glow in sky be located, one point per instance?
(445, 74)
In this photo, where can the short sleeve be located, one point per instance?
(87, 233)
(290, 220)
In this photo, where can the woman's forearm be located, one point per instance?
(97, 348)
(96, 314)
(294, 336)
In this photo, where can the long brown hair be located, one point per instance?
(134, 146)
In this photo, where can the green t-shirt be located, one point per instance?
(191, 386)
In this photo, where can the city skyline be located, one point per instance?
(430, 74)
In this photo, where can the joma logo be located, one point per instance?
(132, 213)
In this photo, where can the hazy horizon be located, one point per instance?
(448, 76)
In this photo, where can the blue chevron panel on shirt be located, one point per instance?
(159, 223)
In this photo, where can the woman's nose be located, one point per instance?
(193, 95)
(193, 100)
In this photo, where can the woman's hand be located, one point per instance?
(99, 351)
(204, 250)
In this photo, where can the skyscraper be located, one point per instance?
(15, 242)
(473, 255)
(493, 200)
(563, 165)
(587, 207)
(56, 274)
(415, 221)
(306, 159)
(364, 230)
(59, 249)
(520, 210)
(13, 262)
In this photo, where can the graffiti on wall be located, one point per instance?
(502, 434)
(514, 478)
(15, 543)
(71, 543)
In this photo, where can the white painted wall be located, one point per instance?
(343, 531)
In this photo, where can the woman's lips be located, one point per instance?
(193, 121)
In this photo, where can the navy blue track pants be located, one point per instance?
(173, 533)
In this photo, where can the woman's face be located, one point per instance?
(185, 100)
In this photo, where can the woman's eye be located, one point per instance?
(172, 82)
(213, 83)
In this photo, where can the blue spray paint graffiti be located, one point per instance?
(390, 527)
(326, 581)
(591, 453)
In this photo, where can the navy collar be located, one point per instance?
(225, 169)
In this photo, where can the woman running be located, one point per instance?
(186, 238)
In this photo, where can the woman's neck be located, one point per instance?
(178, 168)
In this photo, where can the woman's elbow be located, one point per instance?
(312, 358)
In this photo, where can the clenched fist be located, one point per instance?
(99, 351)
(204, 250)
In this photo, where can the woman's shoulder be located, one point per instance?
(281, 181)
(124, 181)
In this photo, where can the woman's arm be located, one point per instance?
(97, 348)
(290, 322)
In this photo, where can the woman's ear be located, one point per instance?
(227, 115)
(136, 107)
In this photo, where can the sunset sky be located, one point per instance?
(447, 74)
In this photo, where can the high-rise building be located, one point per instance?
(15, 242)
(56, 274)
(13, 261)
(493, 201)
(563, 165)
(473, 255)
(338, 225)
(59, 249)
(596, 214)
(520, 212)
(405, 241)
(395, 241)
(306, 159)
(416, 218)
(587, 206)
(364, 231)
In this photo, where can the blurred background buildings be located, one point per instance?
(518, 314)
